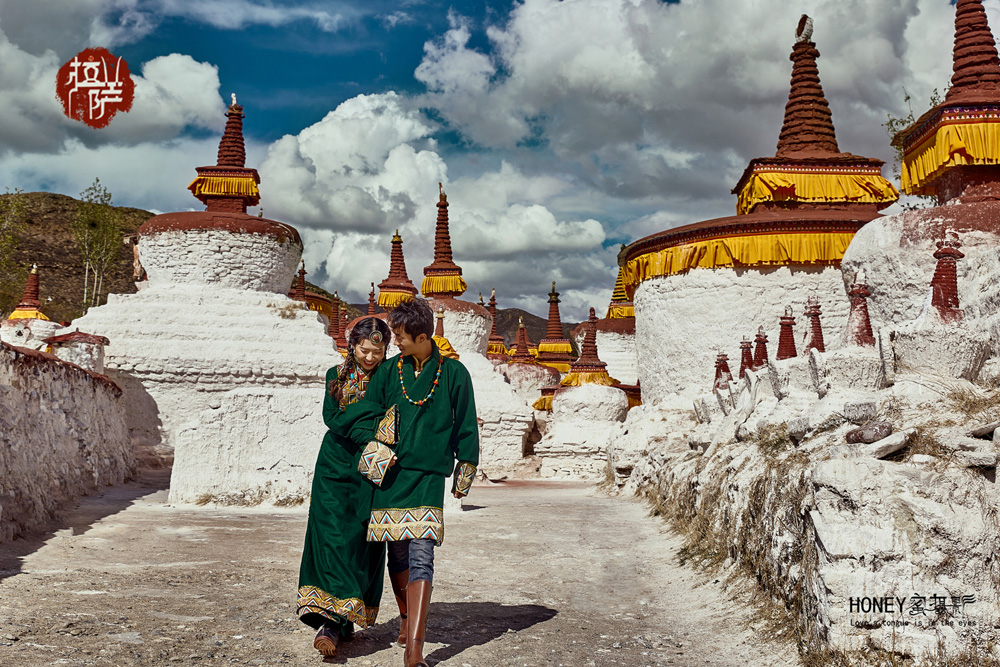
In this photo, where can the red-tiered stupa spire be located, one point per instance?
(975, 64)
(555, 350)
(944, 285)
(443, 344)
(808, 127)
(443, 277)
(333, 329)
(522, 349)
(588, 369)
(746, 356)
(397, 287)
(228, 186)
(299, 293)
(953, 145)
(760, 351)
(786, 338)
(496, 349)
(814, 338)
(723, 376)
(371, 302)
(30, 304)
(340, 314)
(859, 326)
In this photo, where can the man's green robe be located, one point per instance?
(432, 436)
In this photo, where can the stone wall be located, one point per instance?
(683, 321)
(62, 435)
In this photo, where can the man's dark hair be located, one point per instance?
(415, 317)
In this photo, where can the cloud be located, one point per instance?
(647, 99)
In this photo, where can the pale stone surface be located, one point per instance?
(89, 356)
(859, 412)
(29, 333)
(618, 351)
(220, 258)
(890, 444)
(683, 321)
(467, 329)
(528, 379)
(227, 381)
(584, 422)
(928, 345)
(62, 435)
(898, 260)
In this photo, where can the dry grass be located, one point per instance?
(923, 441)
(975, 404)
(773, 439)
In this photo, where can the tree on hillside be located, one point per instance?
(97, 229)
(13, 273)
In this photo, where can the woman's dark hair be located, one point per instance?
(360, 332)
(415, 317)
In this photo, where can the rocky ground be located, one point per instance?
(532, 573)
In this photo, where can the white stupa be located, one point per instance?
(219, 367)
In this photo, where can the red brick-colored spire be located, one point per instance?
(300, 284)
(814, 339)
(228, 186)
(333, 330)
(722, 373)
(439, 327)
(786, 339)
(944, 285)
(341, 339)
(554, 329)
(808, 126)
(760, 351)
(589, 362)
(443, 277)
(859, 326)
(746, 356)
(976, 65)
(555, 349)
(496, 349)
(397, 287)
(522, 352)
(371, 301)
(232, 152)
(30, 297)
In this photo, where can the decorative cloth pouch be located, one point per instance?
(377, 456)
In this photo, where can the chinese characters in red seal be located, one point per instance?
(94, 86)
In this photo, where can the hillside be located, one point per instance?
(48, 242)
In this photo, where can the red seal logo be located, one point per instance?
(94, 86)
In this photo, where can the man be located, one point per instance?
(437, 426)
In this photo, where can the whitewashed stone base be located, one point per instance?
(29, 333)
(618, 351)
(584, 422)
(230, 381)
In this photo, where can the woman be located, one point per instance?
(340, 578)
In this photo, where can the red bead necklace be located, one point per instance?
(434, 385)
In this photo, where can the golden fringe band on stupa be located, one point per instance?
(750, 250)
(551, 346)
(388, 298)
(543, 403)
(445, 348)
(633, 401)
(816, 186)
(558, 365)
(443, 284)
(497, 347)
(27, 314)
(958, 140)
(620, 312)
(225, 186)
(580, 378)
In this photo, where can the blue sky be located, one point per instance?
(560, 129)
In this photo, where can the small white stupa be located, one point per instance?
(219, 367)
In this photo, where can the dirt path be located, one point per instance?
(530, 574)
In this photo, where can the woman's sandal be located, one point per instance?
(326, 641)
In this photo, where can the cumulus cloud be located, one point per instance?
(650, 98)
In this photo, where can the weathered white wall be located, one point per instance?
(89, 356)
(682, 322)
(585, 420)
(62, 435)
(29, 333)
(617, 350)
(219, 258)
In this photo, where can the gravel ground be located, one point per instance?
(531, 573)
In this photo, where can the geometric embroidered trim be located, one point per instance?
(317, 601)
(464, 474)
(396, 525)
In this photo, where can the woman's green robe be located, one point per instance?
(341, 572)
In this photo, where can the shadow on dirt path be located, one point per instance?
(78, 517)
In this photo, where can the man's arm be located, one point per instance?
(465, 431)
